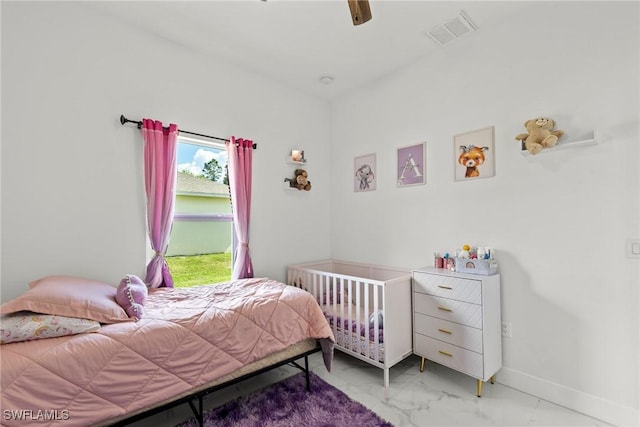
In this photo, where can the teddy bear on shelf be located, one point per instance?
(300, 180)
(540, 134)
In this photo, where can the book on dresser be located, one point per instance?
(457, 322)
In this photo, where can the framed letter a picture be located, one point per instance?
(410, 167)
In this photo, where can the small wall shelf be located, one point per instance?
(292, 162)
(287, 187)
(561, 145)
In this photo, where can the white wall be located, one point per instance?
(73, 202)
(72, 189)
(559, 221)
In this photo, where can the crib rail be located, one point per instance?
(354, 306)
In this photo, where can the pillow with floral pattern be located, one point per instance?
(28, 326)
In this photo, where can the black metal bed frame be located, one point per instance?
(199, 396)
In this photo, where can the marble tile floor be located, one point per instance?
(436, 397)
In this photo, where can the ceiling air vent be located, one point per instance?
(452, 29)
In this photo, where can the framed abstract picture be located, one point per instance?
(365, 173)
(474, 154)
(410, 168)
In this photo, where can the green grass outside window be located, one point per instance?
(195, 270)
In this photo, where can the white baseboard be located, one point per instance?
(593, 406)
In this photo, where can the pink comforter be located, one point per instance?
(187, 338)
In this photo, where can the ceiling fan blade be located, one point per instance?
(360, 11)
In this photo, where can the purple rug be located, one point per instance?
(288, 403)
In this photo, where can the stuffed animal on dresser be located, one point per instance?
(540, 134)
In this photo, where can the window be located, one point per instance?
(201, 245)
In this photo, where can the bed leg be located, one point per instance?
(306, 372)
(200, 416)
(199, 413)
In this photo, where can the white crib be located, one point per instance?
(368, 307)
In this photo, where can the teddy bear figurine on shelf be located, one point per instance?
(540, 134)
(300, 180)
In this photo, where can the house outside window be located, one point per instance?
(202, 234)
(202, 222)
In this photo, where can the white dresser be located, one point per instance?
(456, 321)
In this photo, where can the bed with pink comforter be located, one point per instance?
(188, 338)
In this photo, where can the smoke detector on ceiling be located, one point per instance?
(452, 29)
(326, 79)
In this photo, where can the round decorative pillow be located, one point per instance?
(131, 295)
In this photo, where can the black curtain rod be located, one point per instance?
(124, 120)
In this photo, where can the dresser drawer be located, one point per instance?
(453, 333)
(457, 288)
(462, 360)
(448, 309)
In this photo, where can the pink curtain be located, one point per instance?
(240, 155)
(159, 180)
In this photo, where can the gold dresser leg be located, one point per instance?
(422, 365)
(492, 380)
(479, 387)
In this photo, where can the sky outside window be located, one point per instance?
(192, 156)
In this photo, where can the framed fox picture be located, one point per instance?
(474, 154)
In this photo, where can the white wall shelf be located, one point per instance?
(296, 157)
(560, 145)
(298, 165)
(287, 187)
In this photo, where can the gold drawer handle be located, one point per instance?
(445, 353)
(444, 308)
(445, 287)
(444, 331)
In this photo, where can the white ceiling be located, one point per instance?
(297, 42)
